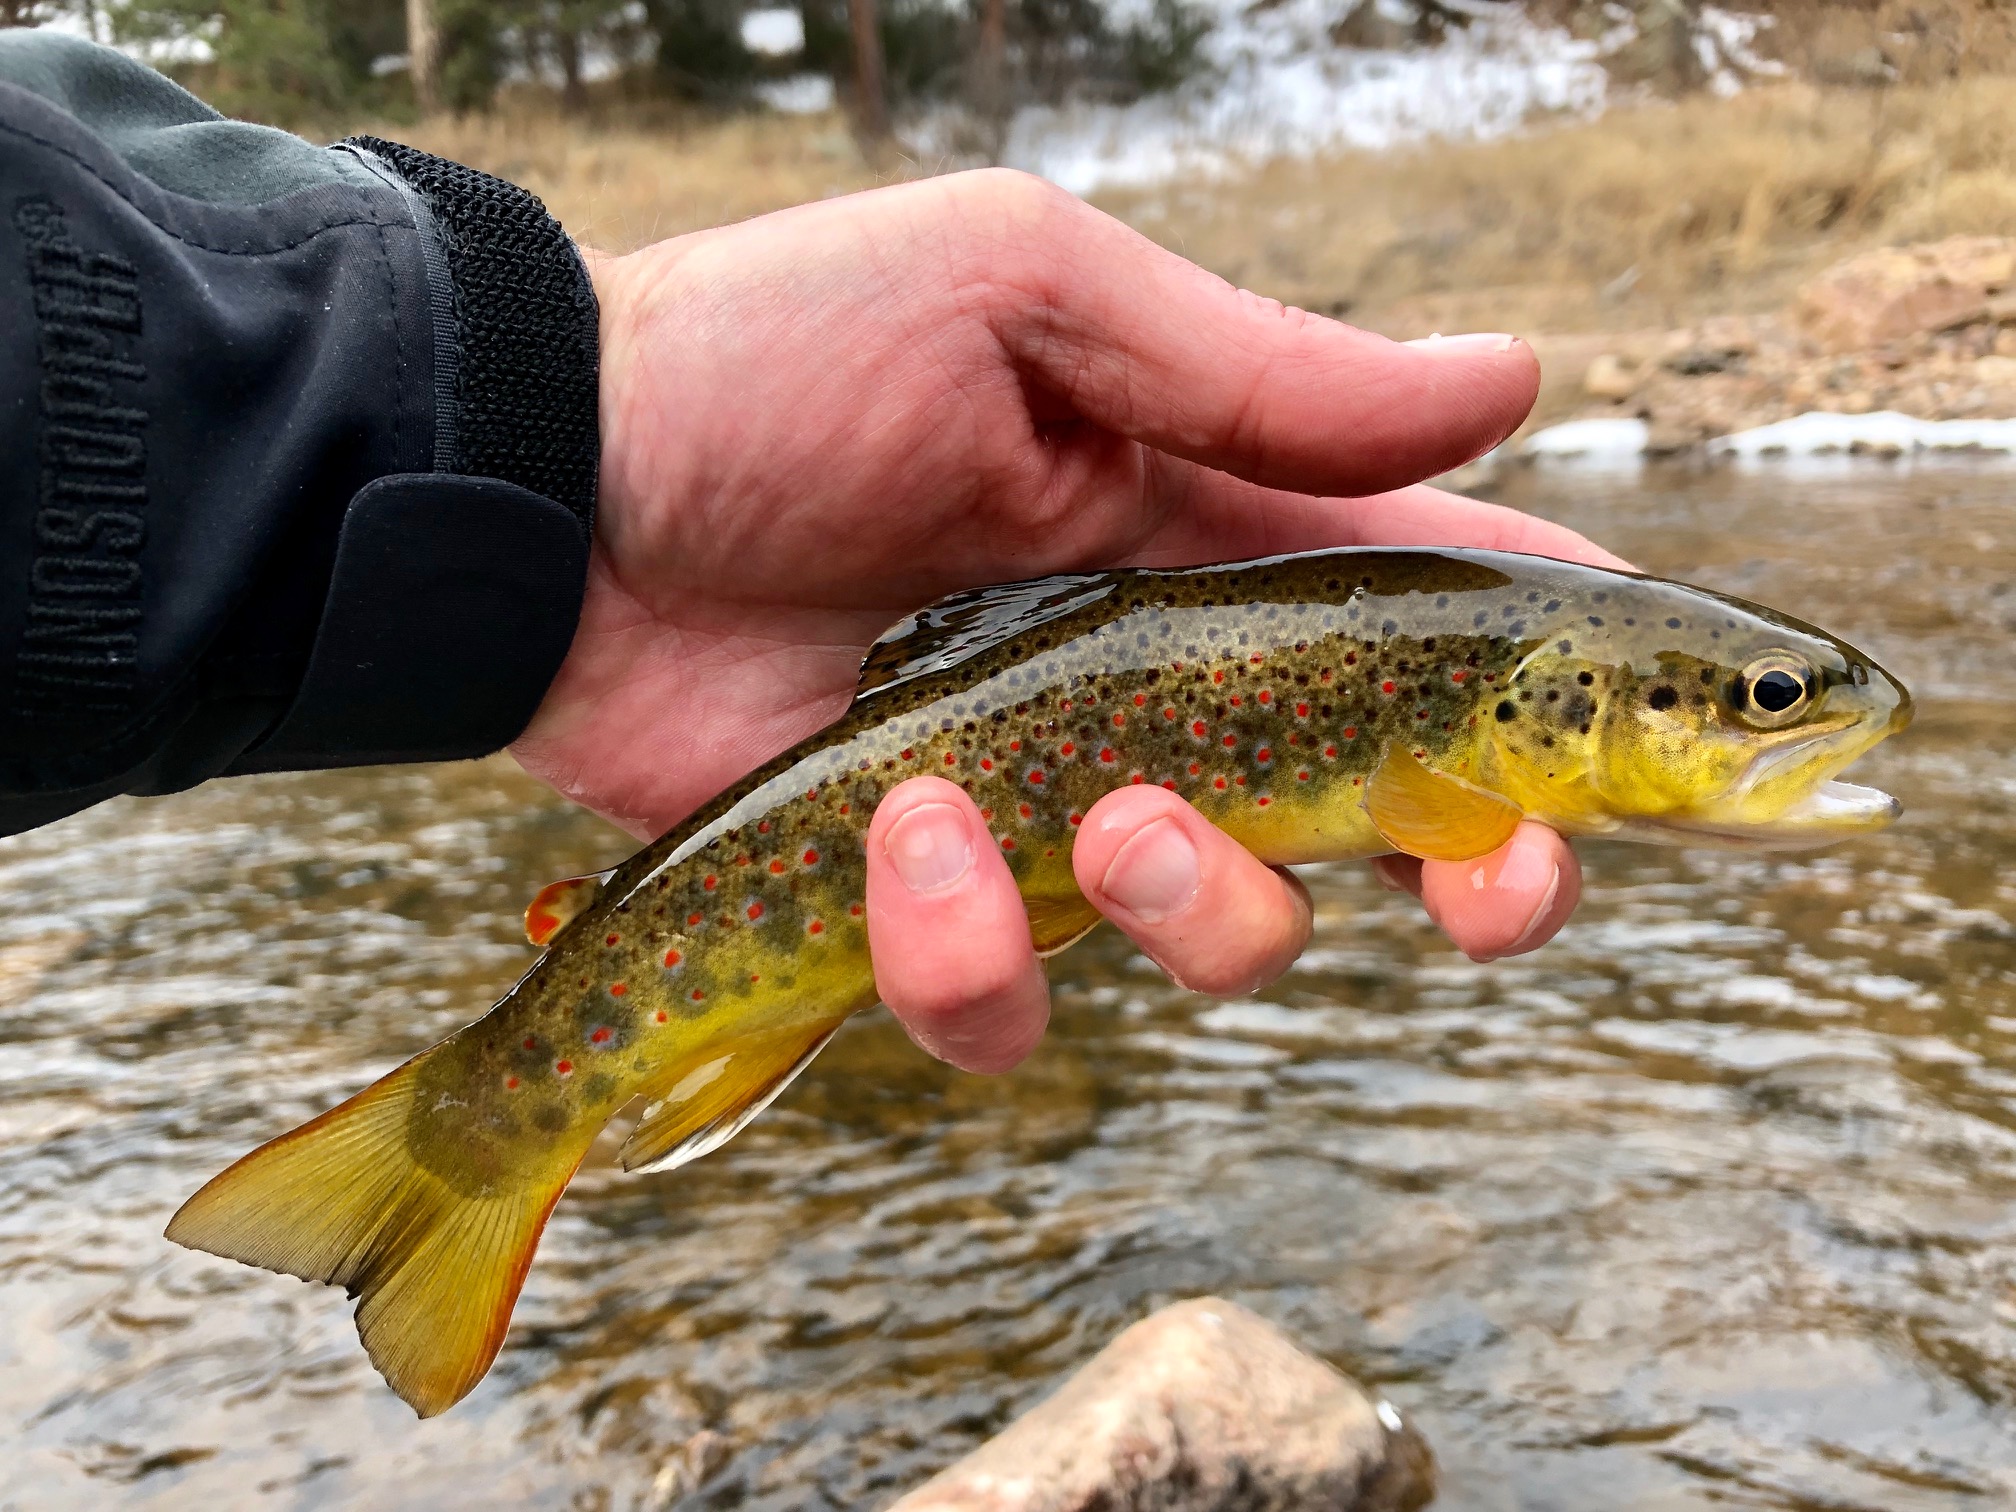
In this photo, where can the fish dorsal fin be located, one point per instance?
(959, 628)
(1423, 812)
(558, 904)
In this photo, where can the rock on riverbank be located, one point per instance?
(1201, 1407)
(1926, 330)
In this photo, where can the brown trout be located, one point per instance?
(1320, 707)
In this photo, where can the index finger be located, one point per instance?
(1147, 344)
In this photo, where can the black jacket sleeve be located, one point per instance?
(297, 444)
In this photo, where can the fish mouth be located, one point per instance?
(1824, 809)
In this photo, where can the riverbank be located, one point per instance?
(1660, 257)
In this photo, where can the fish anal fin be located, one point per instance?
(343, 1199)
(1423, 812)
(1058, 923)
(558, 904)
(706, 1101)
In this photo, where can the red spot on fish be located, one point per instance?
(692, 920)
(1195, 769)
(1235, 700)
(1064, 703)
(709, 883)
(1007, 842)
(845, 806)
(1263, 802)
(617, 989)
(741, 860)
(1197, 729)
(1256, 659)
(1301, 776)
(754, 978)
(908, 753)
(763, 828)
(986, 765)
(1119, 721)
(986, 813)
(817, 926)
(950, 759)
(1239, 781)
(1169, 783)
(1137, 779)
(1140, 700)
(1106, 754)
(1490, 677)
(531, 1042)
(1458, 676)
(510, 1084)
(755, 910)
(854, 909)
(1350, 732)
(1218, 782)
(1169, 712)
(1327, 676)
(777, 867)
(1217, 677)
(811, 858)
(1265, 696)
(1066, 749)
(662, 1015)
(1231, 740)
(1301, 711)
(1077, 818)
(1014, 745)
(1027, 811)
(698, 995)
(599, 1037)
(1036, 776)
(564, 1068)
(673, 958)
(1356, 780)
(612, 939)
(1263, 754)
(1385, 687)
(1330, 751)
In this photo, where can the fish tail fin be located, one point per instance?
(349, 1198)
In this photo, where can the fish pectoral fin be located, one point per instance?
(435, 1266)
(1056, 924)
(558, 904)
(700, 1104)
(1431, 814)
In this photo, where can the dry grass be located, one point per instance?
(1651, 216)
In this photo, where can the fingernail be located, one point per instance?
(930, 847)
(1465, 346)
(1523, 868)
(1155, 875)
(1539, 916)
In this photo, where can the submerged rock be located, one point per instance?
(1201, 1407)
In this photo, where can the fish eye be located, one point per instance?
(1774, 690)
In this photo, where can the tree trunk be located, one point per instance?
(423, 54)
(871, 98)
(990, 101)
(567, 46)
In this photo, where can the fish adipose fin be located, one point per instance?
(708, 1100)
(1423, 812)
(558, 904)
(434, 1267)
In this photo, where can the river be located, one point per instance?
(1711, 1202)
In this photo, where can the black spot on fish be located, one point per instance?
(1707, 674)
(1672, 622)
(1506, 711)
(1662, 697)
(550, 1117)
(1564, 647)
(1585, 678)
(1596, 619)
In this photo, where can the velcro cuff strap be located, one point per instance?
(453, 602)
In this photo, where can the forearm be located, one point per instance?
(298, 460)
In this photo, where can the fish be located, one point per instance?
(1317, 707)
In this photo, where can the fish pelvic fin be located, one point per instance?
(1424, 812)
(698, 1106)
(435, 1265)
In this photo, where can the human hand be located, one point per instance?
(817, 421)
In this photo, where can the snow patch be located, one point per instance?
(1883, 433)
(774, 31)
(1588, 440)
(1275, 85)
(801, 94)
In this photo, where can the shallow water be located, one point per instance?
(1711, 1202)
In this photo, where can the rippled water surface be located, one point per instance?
(1711, 1202)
